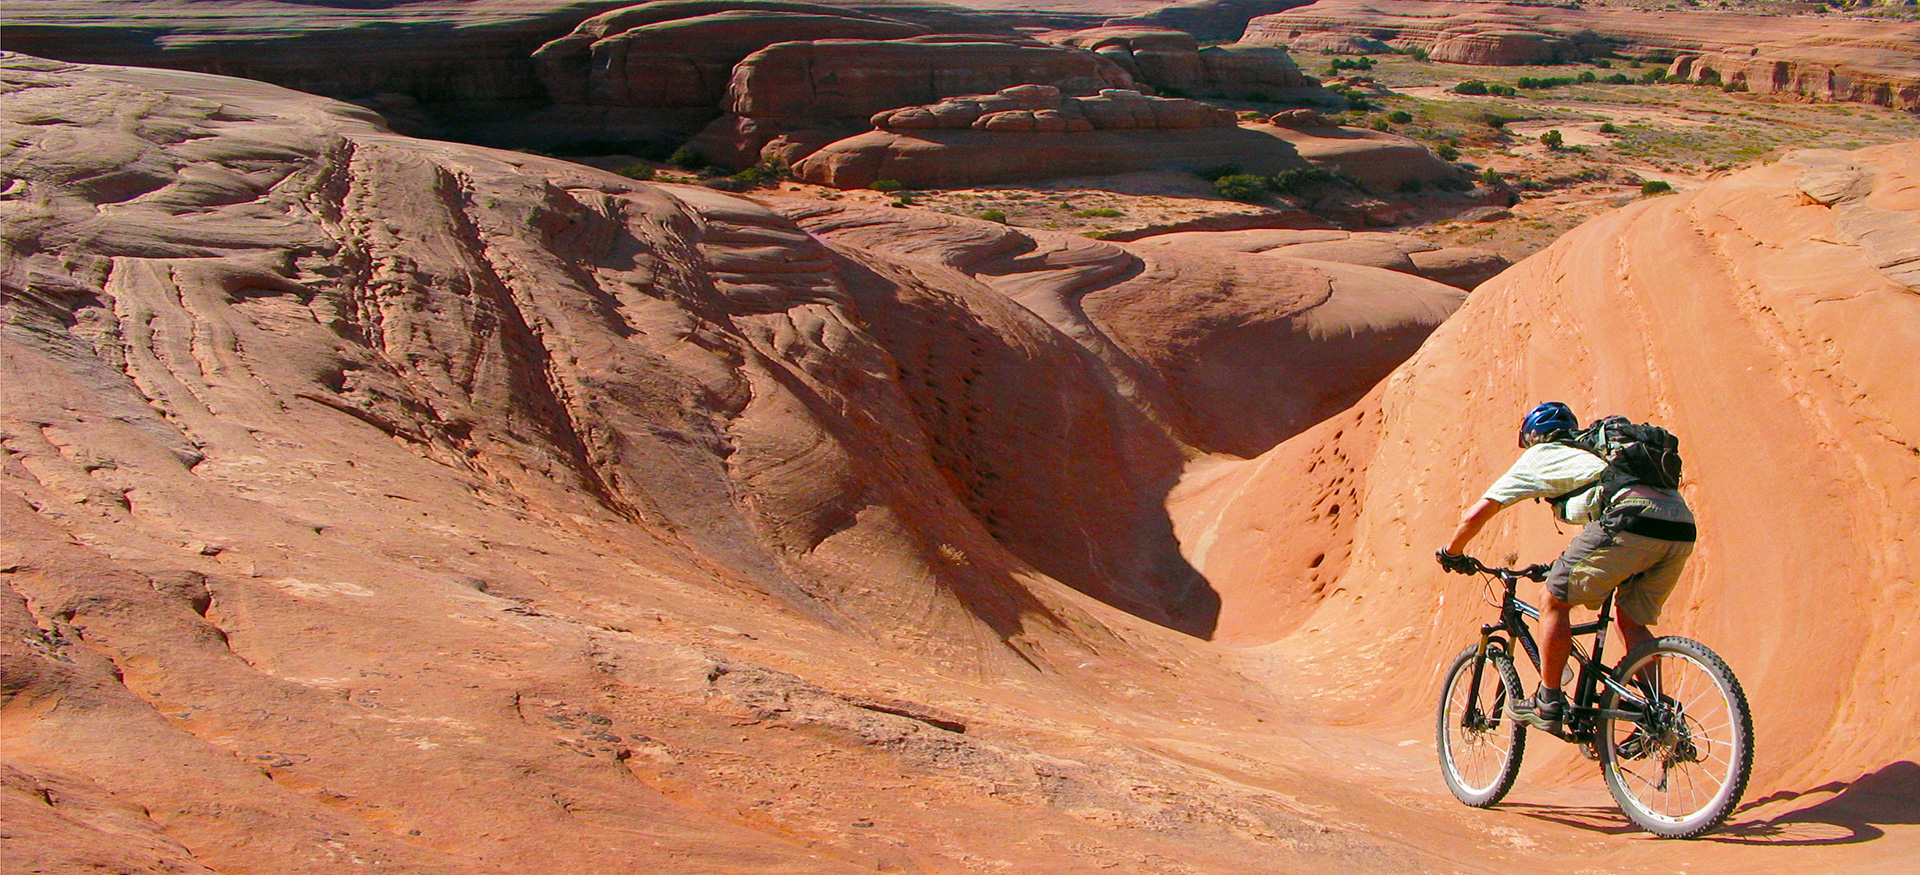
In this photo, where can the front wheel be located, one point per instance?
(1679, 768)
(1480, 746)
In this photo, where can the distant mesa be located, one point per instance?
(1833, 58)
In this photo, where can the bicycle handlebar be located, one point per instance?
(1531, 572)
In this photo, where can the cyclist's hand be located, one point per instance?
(1537, 572)
(1454, 562)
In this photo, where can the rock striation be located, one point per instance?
(480, 512)
(1459, 266)
(1822, 57)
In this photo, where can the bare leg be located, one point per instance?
(1556, 641)
(1634, 635)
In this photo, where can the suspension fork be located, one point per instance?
(1488, 640)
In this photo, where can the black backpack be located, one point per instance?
(1636, 453)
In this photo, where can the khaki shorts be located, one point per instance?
(1643, 569)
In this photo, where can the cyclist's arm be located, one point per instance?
(1470, 524)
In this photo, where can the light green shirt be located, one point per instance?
(1549, 471)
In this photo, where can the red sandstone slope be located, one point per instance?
(1769, 319)
(448, 510)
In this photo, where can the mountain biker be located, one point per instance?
(1636, 540)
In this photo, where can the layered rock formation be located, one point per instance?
(1828, 58)
(1172, 59)
(679, 55)
(799, 96)
(1777, 302)
(1459, 266)
(449, 510)
(1033, 132)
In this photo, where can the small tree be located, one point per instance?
(1470, 87)
(1552, 140)
(1399, 116)
(1491, 177)
(1609, 128)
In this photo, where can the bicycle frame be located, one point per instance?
(1583, 713)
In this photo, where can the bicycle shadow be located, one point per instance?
(1854, 812)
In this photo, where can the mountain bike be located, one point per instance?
(1668, 724)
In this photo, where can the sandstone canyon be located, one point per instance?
(390, 504)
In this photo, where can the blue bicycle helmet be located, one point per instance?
(1544, 420)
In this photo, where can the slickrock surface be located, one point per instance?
(1825, 57)
(1767, 319)
(1460, 266)
(411, 507)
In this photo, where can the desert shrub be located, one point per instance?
(885, 185)
(1361, 63)
(1354, 98)
(1603, 63)
(1495, 121)
(1099, 213)
(1585, 77)
(1710, 76)
(1655, 186)
(1470, 87)
(1446, 152)
(1553, 140)
(1653, 76)
(1609, 128)
(1490, 176)
(1241, 187)
(1618, 79)
(1500, 90)
(686, 158)
(1216, 172)
(994, 216)
(1293, 180)
(1417, 53)
(1532, 83)
(1380, 124)
(1736, 85)
(636, 171)
(768, 172)
(1399, 116)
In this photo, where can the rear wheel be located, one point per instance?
(1480, 746)
(1680, 768)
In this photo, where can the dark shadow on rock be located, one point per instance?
(1853, 813)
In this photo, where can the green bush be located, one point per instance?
(1380, 124)
(1618, 79)
(1214, 173)
(1653, 76)
(770, 171)
(636, 171)
(1709, 76)
(1099, 213)
(1470, 87)
(1293, 180)
(1399, 116)
(1500, 90)
(686, 158)
(1655, 186)
(1552, 140)
(1586, 76)
(1417, 53)
(1490, 176)
(1363, 63)
(994, 216)
(885, 185)
(1609, 128)
(1446, 152)
(1241, 187)
(1603, 63)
